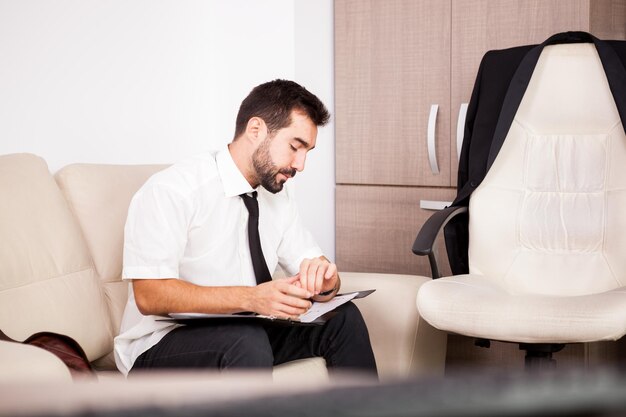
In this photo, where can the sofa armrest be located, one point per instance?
(403, 343)
(26, 363)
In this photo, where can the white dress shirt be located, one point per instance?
(188, 222)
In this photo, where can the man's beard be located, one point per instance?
(267, 171)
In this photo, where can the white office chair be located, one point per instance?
(547, 225)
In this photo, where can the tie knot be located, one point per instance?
(251, 203)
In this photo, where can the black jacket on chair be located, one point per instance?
(502, 79)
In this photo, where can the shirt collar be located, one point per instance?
(232, 179)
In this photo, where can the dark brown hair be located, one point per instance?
(274, 101)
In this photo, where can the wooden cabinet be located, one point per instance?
(376, 227)
(394, 61)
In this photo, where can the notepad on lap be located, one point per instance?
(315, 315)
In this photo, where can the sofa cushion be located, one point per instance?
(314, 368)
(99, 196)
(47, 278)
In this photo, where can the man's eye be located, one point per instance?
(293, 148)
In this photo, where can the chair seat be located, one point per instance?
(479, 306)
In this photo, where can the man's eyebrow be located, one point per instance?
(304, 143)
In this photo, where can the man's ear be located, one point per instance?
(256, 129)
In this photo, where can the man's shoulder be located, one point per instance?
(187, 176)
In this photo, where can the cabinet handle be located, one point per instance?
(431, 137)
(434, 205)
(460, 129)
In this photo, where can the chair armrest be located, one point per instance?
(425, 240)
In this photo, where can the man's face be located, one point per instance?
(283, 153)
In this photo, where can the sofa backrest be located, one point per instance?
(48, 281)
(99, 196)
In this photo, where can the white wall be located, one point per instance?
(314, 43)
(153, 81)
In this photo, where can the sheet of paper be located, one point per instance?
(318, 309)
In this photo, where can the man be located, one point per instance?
(191, 245)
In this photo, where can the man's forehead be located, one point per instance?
(301, 120)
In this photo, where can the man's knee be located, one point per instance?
(349, 343)
(348, 315)
(348, 325)
(249, 349)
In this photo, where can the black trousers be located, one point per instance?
(343, 341)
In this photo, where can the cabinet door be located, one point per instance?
(482, 25)
(376, 228)
(392, 63)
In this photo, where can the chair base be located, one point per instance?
(539, 355)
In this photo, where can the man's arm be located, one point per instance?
(280, 298)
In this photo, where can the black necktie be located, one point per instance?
(258, 260)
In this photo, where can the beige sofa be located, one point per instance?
(61, 261)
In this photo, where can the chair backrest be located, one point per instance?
(550, 216)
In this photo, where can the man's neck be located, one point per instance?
(242, 156)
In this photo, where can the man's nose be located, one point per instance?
(299, 161)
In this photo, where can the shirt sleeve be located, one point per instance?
(156, 233)
(297, 243)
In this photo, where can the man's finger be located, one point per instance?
(291, 312)
(294, 290)
(292, 280)
(312, 277)
(295, 302)
(304, 271)
(331, 271)
(319, 279)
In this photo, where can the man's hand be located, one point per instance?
(281, 298)
(319, 275)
